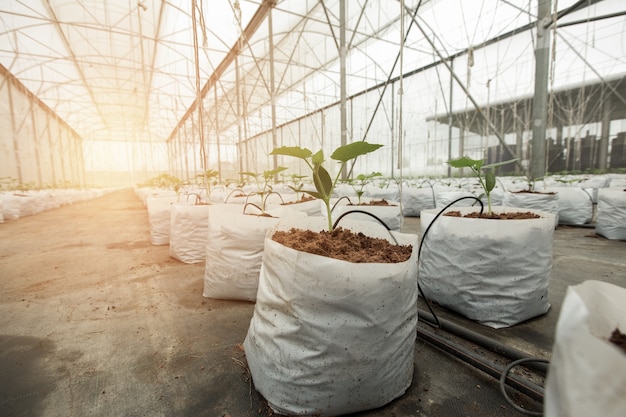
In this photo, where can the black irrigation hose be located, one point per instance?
(341, 198)
(479, 339)
(231, 193)
(504, 377)
(532, 390)
(369, 214)
(419, 252)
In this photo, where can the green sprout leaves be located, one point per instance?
(322, 180)
(487, 180)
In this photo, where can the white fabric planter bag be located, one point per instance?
(188, 232)
(10, 206)
(587, 373)
(414, 200)
(575, 205)
(391, 215)
(495, 272)
(159, 218)
(611, 213)
(330, 337)
(389, 192)
(445, 197)
(310, 207)
(536, 201)
(234, 251)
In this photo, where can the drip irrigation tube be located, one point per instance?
(479, 339)
(531, 389)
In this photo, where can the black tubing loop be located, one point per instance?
(278, 194)
(436, 323)
(231, 193)
(369, 214)
(337, 202)
(503, 379)
(253, 205)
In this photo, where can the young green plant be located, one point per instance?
(488, 181)
(298, 185)
(264, 188)
(323, 182)
(361, 181)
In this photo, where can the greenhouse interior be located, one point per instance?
(310, 208)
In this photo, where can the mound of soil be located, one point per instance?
(619, 339)
(514, 215)
(345, 245)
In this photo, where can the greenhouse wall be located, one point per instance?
(37, 148)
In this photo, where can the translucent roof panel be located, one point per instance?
(118, 69)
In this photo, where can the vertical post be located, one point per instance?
(342, 76)
(199, 98)
(540, 99)
(272, 86)
(217, 134)
(605, 130)
(240, 142)
(450, 118)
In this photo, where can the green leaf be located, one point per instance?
(251, 174)
(465, 162)
(269, 174)
(318, 158)
(323, 182)
(490, 180)
(353, 150)
(302, 153)
(314, 194)
(498, 164)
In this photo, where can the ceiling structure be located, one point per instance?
(129, 70)
(118, 69)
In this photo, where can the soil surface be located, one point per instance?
(533, 192)
(619, 339)
(304, 199)
(345, 245)
(382, 202)
(495, 216)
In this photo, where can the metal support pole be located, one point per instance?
(450, 118)
(272, 86)
(342, 76)
(540, 99)
(603, 151)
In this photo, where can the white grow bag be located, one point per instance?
(495, 272)
(543, 201)
(330, 337)
(587, 373)
(159, 218)
(188, 232)
(234, 251)
(575, 205)
(414, 200)
(611, 216)
(391, 215)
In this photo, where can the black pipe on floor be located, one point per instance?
(532, 390)
(479, 339)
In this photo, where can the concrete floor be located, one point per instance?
(96, 321)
